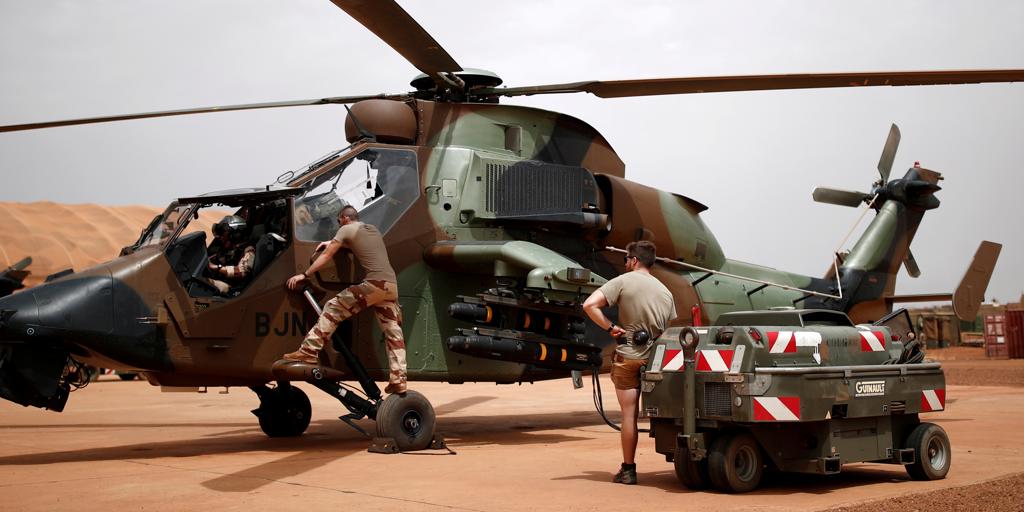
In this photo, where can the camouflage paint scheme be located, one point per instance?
(446, 244)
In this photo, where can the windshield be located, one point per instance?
(197, 218)
(380, 183)
(162, 227)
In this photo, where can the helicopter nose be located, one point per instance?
(75, 306)
(17, 313)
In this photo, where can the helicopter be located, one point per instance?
(500, 220)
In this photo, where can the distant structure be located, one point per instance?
(71, 236)
(939, 327)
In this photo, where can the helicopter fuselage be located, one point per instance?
(502, 207)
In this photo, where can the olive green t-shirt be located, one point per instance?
(367, 244)
(644, 303)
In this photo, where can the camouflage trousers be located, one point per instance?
(382, 296)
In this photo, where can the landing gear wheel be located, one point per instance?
(691, 473)
(933, 454)
(407, 418)
(284, 411)
(735, 463)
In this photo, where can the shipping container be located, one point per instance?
(995, 336)
(1014, 331)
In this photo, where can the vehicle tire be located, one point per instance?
(735, 462)
(127, 376)
(407, 418)
(693, 474)
(933, 454)
(285, 412)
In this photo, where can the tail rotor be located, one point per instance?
(915, 190)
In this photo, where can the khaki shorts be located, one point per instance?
(626, 372)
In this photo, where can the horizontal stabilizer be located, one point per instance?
(921, 297)
(970, 292)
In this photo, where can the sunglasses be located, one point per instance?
(626, 259)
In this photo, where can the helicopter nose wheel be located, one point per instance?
(408, 419)
(284, 411)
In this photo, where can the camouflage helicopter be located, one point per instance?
(499, 219)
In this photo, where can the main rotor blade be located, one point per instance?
(839, 197)
(892, 143)
(398, 29)
(187, 111)
(692, 85)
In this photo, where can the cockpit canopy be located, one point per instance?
(381, 184)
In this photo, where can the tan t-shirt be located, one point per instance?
(644, 303)
(367, 244)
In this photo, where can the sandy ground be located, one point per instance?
(998, 494)
(968, 366)
(533, 447)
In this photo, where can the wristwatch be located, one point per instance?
(610, 327)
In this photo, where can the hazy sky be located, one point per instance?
(753, 158)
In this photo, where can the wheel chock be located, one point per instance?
(386, 445)
(437, 443)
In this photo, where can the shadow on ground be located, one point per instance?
(324, 442)
(773, 484)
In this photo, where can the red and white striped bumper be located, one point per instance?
(933, 400)
(776, 408)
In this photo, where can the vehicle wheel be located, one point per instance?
(933, 454)
(408, 419)
(693, 474)
(284, 412)
(735, 463)
(127, 376)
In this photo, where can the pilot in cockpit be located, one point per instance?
(231, 255)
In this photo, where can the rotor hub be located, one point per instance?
(468, 79)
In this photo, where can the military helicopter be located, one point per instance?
(499, 219)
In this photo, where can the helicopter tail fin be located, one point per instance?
(970, 293)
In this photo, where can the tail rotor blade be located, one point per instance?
(910, 263)
(839, 197)
(889, 153)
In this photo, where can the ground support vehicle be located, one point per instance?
(799, 390)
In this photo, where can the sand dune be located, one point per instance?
(76, 236)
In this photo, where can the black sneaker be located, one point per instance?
(626, 475)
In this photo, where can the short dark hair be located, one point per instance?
(645, 252)
(352, 212)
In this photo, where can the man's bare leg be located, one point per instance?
(629, 400)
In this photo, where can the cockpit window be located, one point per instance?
(225, 242)
(380, 183)
(161, 229)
